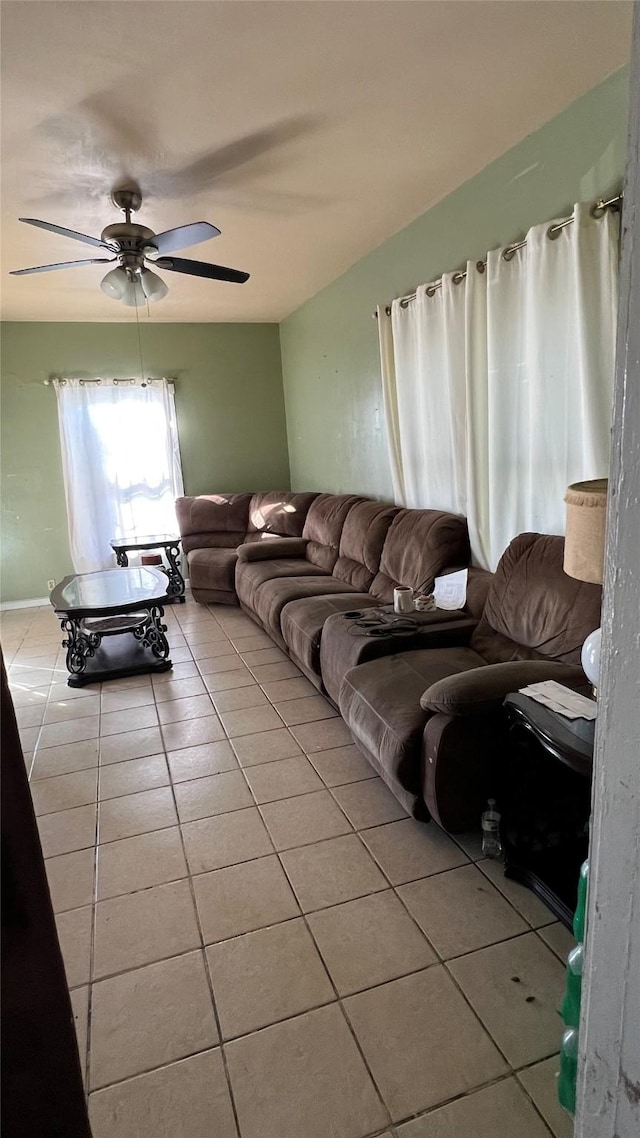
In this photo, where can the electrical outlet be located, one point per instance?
(51, 585)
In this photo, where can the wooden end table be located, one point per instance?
(545, 801)
(113, 624)
(170, 543)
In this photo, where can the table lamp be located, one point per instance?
(584, 552)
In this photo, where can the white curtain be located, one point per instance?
(503, 382)
(390, 402)
(429, 397)
(121, 464)
(551, 326)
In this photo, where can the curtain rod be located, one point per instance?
(597, 210)
(64, 380)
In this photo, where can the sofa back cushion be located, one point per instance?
(213, 520)
(323, 528)
(363, 536)
(534, 610)
(280, 513)
(420, 544)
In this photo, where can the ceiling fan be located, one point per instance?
(133, 246)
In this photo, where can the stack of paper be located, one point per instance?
(450, 591)
(563, 700)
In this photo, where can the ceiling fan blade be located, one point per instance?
(68, 233)
(62, 265)
(183, 236)
(201, 269)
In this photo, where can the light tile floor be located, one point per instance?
(258, 940)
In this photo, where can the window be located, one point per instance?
(121, 463)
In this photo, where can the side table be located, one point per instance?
(171, 546)
(545, 801)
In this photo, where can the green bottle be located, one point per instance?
(570, 1009)
(581, 907)
(568, 1070)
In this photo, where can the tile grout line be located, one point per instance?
(94, 912)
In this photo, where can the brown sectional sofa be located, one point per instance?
(424, 707)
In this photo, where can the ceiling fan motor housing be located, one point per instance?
(127, 235)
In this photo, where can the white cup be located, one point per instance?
(403, 599)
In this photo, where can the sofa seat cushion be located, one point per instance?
(251, 575)
(302, 621)
(380, 703)
(212, 569)
(270, 599)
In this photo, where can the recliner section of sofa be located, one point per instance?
(431, 721)
(359, 531)
(419, 544)
(321, 533)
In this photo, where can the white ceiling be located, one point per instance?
(308, 132)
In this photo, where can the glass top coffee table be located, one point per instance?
(170, 542)
(113, 622)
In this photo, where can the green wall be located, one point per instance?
(331, 369)
(229, 405)
(230, 377)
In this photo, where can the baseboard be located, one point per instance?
(33, 603)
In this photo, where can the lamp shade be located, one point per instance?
(114, 283)
(153, 286)
(132, 294)
(585, 537)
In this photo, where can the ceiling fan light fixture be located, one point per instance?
(152, 285)
(133, 294)
(114, 283)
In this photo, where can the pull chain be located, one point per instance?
(142, 379)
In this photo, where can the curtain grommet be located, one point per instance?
(481, 266)
(509, 253)
(458, 278)
(553, 232)
(430, 290)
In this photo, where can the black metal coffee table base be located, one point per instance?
(115, 659)
(115, 647)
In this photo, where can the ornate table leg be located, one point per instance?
(122, 558)
(151, 634)
(79, 644)
(176, 580)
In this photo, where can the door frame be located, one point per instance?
(608, 1092)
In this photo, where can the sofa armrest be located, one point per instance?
(271, 548)
(484, 689)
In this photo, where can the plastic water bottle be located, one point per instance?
(491, 844)
(570, 1009)
(568, 1070)
(580, 917)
